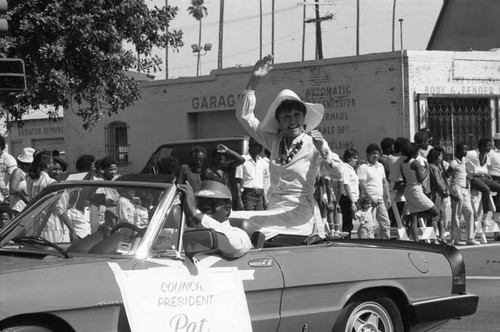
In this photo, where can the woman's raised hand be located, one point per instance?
(263, 66)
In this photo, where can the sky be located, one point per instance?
(241, 45)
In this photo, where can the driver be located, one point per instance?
(211, 209)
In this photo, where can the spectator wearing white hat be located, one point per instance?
(298, 153)
(18, 197)
(7, 166)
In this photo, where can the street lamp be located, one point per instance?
(197, 49)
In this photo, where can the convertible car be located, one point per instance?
(55, 280)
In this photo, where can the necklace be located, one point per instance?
(285, 157)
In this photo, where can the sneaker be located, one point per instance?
(472, 242)
(457, 243)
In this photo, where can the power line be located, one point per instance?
(233, 20)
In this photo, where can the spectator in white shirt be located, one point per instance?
(495, 158)
(373, 184)
(250, 178)
(211, 209)
(350, 191)
(477, 163)
(7, 165)
(495, 174)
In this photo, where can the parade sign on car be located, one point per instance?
(173, 299)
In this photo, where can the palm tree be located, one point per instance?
(221, 34)
(198, 10)
(393, 22)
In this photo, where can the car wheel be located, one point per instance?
(379, 314)
(26, 328)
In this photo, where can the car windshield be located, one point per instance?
(98, 217)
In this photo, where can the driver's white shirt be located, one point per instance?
(239, 241)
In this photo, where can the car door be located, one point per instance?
(262, 281)
(309, 297)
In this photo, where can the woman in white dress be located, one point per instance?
(17, 184)
(417, 203)
(58, 229)
(298, 153)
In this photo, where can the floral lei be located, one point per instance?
(284, 157)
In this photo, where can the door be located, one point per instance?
(457, 120)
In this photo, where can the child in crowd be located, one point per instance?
(79, 214)
(5, 215)
(439, 190)
(141, 213)
(126, 207)
(364, 215)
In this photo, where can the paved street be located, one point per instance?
(483, 278)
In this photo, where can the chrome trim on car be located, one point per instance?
(108, 303)
(261, 262)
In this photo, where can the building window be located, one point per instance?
(455, 120)
(117, 142)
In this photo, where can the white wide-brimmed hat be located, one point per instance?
(496, 136)
(314, 113)
(27, 155)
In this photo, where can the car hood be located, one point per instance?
(28, 280)
(10, 262)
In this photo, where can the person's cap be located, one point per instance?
(496, 136)
(314, 112)
(27, 155)
(213, 189)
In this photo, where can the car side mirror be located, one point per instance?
(197, 241)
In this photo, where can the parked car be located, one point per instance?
(339, 285)
(181, 150)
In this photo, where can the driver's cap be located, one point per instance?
(213, 189)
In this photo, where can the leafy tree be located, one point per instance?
(74, 50)
(198, 10)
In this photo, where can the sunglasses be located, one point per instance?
(206, 205)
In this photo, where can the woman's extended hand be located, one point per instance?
(318, 142)
(263, 66)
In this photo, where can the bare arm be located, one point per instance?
(387, 194)
(15, 179)
(363, 190)
(235, 158)
(415, 165)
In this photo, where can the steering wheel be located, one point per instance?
(133, 227)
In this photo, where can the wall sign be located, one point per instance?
(40, 131)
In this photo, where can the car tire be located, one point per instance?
(364, 313)
(27, 328)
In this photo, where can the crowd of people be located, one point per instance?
(414, 181)
(291, 180)
(24, 177)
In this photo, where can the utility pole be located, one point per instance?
(402, 77)
(393, 22)
(303, 29)
(260, 15)
(319, 43)
(357, 27)
(221, 34)
(318, 20)
(272, 31)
